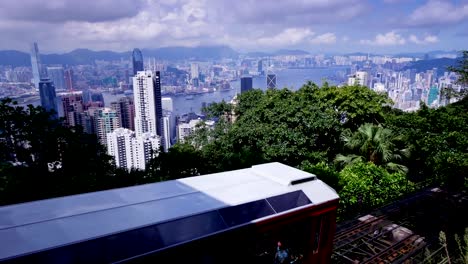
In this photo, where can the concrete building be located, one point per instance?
(57, 75)
(147, 100)
(246, 84)
(48, 96)
(106, 120)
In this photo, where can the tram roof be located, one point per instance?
(268, 189)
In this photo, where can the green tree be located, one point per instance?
(39, 158)
(376, 144)
(439, 140)
(356, 104)
(364, 186)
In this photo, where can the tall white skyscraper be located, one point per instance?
(144, 94)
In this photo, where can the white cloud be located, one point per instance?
(289, 36)
(327, 38)
(429, 39)
(437, 12)
(389, 39)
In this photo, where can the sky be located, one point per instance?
(318, 26)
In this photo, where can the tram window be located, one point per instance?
(284, 243)
(288, 201)
(244, 213)
(316, 236)
(190, 228)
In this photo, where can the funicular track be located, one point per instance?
(381, 236)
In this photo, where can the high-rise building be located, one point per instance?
(246, 84)
(137, 60)
(147, 100)
(38, 71)
(48, 96)
(194, 71)
(125, 111)
(271, 81)
(260, 67)
(362, 78)
(106, 121)
(69, 79)
(69, 104)
(121, 145)
(130, 151)
(166, 133)
(146, 147)
(185, 129)
(57, 75)
(167, 104)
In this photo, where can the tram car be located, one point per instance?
(269, 213)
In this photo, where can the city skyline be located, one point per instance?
(317, 26)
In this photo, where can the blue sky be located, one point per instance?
(383, 26)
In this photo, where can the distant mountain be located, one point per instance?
(359, 54)
(196, 53)
(423, 65)
(291, 52)
(435, 54)
(86, 56)
(14, 58)
(258, 54)
(281, 52)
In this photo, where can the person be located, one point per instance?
(281, 255)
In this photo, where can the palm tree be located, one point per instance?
(376, 144)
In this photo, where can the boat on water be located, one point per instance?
(189, 97)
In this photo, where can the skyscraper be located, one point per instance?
(167, 133)
(158, 102)
(57, 75)
(137, 59)
(194, 71)
(69, 79)
(48, 96)
(271, 81)
(246, 83)
(125, 111)
(106, 121)
(148, 107)
(38, 71)
(260, 67)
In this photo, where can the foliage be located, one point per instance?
(182, 160)
(439, 140)
(39, 158)
(365, 186)
(374, 144)
(327, 173)
(218, 109)
(356, 104)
